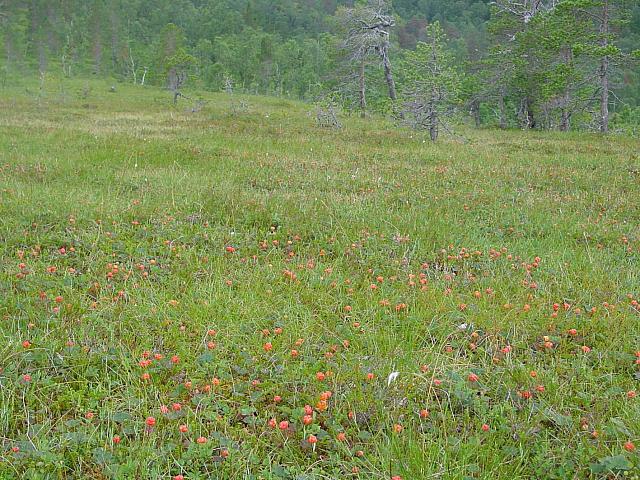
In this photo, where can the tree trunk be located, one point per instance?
(604, 95)
(433, 120)
(114, 41)
(133, 67)
(475, 111)
(97, 55)
(604, 71)
(8, 45)
(391, 85)
(363, 99)
(42, 57)
(531, 121)
(565, 111)
(503, 114)
(565, 117)
(525, 113)
(433, 127)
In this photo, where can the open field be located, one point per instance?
(174, 285)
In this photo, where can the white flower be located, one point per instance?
(392, 376)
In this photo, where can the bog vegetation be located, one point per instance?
(225, 289)
(197, 281)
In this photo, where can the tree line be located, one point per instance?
(543, 64)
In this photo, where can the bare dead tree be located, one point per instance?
(379, 27)
(228, 84)
(525, 10)
(525, 113)
(66, 65)
(198, 105)
(176, 80)
(41, 91)
(239, 107)
(326, 112)
(327, 117)
(132, 64)
(366, 33)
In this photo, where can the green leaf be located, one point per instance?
(77, 438)
(121, 417)
(206, 357)
(102, 456)
(620, 427)
(280, 471)
(247, 410)
(617, 463)
(473, 468)
(557, 419)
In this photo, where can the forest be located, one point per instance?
(543, 64)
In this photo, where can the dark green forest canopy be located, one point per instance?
(277, 47)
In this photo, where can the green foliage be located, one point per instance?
(549, 65)
(627, 119)
(180, 60)
(431, 68)
(289, 48)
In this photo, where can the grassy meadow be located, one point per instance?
(238, 293)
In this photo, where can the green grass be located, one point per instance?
(315, 216)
